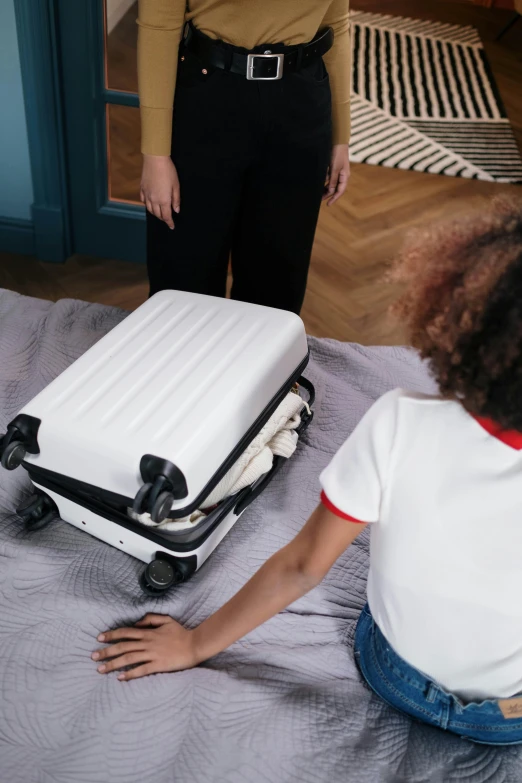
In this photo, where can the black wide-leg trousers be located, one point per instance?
(252, 159)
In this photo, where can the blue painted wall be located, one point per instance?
(16, 188)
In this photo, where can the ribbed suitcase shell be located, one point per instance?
(184, 377)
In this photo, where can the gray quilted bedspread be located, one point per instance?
(284, 704)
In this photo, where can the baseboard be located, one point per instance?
(43, 236)
(16, 236)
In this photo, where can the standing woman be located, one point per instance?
(261, 96)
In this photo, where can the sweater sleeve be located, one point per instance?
(338, 62)
(160, 29)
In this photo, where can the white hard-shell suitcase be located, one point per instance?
(151, 418)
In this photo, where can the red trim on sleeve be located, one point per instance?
(330, 506)
(509, 437)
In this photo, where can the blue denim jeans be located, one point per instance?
(409, 691)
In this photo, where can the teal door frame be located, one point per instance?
(101, 227)
(39, 63)
(62, 56)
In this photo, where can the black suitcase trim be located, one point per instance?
(106, 496)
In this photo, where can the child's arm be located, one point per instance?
(287, 576)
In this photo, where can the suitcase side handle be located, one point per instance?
(310, 388)
(308, 414)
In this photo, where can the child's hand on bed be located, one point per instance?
(156, 643)
(288, 575)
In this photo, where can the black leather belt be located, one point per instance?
(264, 65)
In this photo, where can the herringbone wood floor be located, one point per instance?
(346, 299)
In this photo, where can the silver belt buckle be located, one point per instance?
(266, 56)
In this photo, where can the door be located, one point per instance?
(98, 64)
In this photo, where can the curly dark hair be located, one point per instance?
(463, 307)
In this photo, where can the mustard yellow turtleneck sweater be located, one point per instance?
(246, 23)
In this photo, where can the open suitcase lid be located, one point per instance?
(185, 381)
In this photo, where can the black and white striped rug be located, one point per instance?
(424, 99)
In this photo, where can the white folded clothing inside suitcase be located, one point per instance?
(186, 404)
(278, 438)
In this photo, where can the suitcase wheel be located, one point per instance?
(37, 512)
(13, 455)
(158, 577)
(141, 500)
(41, 522)
(162, 507)
(154, 499)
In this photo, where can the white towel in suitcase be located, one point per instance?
(277, 438)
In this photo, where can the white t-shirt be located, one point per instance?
(444, 493)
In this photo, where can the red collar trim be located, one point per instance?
(511, 438)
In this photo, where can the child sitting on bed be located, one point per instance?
(439, 481)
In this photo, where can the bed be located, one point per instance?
(284, 704)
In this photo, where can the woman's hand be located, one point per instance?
(160, 187)
(338, 174)
(164, 647)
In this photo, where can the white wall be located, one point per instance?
(116, 10)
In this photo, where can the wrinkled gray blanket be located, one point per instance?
(285, 704)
